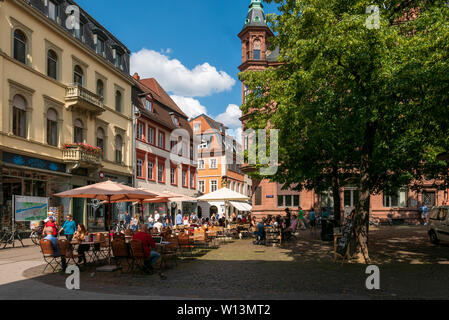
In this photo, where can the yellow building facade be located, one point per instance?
(63, 92)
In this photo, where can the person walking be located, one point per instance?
(288, 217)
(50, 223)
(301, 219)
(179, 218)
(127, 220)
(312, 221)
(69, 228)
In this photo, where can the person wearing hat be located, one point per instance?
(51, 224)
(69, 228)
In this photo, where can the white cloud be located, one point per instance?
(190, 106)
(231, 117)
(203, 80)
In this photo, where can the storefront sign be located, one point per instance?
(32, 162)
(270, 196)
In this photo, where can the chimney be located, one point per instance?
(136, 76)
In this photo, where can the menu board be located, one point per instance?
(348, 234)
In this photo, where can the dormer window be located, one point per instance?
(53, 10)
(176, 121)
(100, 46)
(149, 105)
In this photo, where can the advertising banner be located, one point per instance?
(30, 208)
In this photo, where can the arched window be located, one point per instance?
(19, 116)
(118, 101)
(52, 64)
(78, 131)
(78, 76)
(118, 148)
(256, 50)
(52, 127)
(20, 46)
(100, 138)
(100, 88)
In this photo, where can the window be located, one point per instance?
(176, 121)
(201, 186)
(327, 199)
(258, 196)
(197, 126)
(161, 171)
(161, 140)
(173, 146)
(280, 201)
(213, 164)
(396, 199)
(256, 50)
(119, 60)
(53, 10)
(213, 185)
(201, 164)
(140, 131)
(184, 179)
(78, 76)
(78, 136)
(428, 198)
(20, 46)
(148, 105)
(173, 175)
(19, 116)
(118, 101)
(79, 32)
(100, 46)
(296, 200)
(100, 138)
(151, 167)
(52, 127)
(351, 197)
(52, 64)
(140, 164)
(100, 88)
(192, 179)
(191, 152)
(151, 131)
(118, 149)
(438, 214)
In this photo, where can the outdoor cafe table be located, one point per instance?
(92, 252)
(159, 246)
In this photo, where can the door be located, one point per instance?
(78, 210)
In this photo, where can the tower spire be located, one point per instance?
(256, 15)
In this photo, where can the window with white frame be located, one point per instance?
(201, 186)
(396, 199)
(201, 164)
(213, 185)
(140, 131)
(213, 164)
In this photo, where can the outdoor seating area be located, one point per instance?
(128, 254)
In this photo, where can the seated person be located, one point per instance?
(80, 236)
(260, 232)
(150, 256)
(48, 231)
(158, 226)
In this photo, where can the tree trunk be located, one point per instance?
(336, 196)
(361, 219)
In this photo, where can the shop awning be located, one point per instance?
(241, 206)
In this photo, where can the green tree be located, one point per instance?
(356, 100)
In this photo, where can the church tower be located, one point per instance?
(255, 37)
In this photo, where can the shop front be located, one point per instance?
(27, 176)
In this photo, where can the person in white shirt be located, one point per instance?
(150, 221)
(157, 216)
(158, 225)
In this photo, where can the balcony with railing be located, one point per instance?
(78, 97)
(79, 157)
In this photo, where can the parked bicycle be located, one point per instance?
(36, 235)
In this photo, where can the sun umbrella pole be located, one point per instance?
(109, 229)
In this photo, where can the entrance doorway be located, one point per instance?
(213, 210)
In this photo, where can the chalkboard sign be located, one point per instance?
(347, 235)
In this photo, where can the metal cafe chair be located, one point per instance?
(138, 255)
(121, 253)
(49, 255)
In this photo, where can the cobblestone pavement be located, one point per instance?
(410, 268)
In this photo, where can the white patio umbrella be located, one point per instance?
(226, 195)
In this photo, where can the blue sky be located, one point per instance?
(192, 46)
